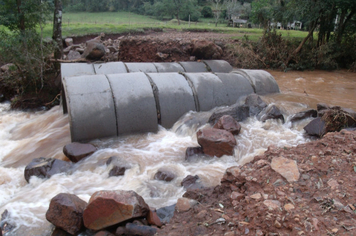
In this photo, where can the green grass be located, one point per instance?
(84, 23)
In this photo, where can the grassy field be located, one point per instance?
(119, 22)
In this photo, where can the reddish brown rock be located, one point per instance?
(204, 49)
(66, 212)
(184, 204)
(216, 142)
(77, 151)
(104, 233)
(107, 208)
(229, 124)
(286, 167)
(94, 50)
(153, 219)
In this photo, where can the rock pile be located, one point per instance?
(107, 213)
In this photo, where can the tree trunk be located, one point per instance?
(342, 25)
(21, 16)
(57, 29)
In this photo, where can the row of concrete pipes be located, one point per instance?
(112, 99)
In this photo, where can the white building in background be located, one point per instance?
(295, 25)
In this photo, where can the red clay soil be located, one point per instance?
(321, 202)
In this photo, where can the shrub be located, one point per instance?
(206, 12)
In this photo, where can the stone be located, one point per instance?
(185, 204)
(255, 104)
(204, 49)
(231, 174)
(117, 171)
(164, 175)
(192, 152)
(153, 219)
(104, 233)
(73, 55)
(333, 184)
(237, 196)
(77, 151)
(191, 182)
(270, 112)
(304, 115)
(5, 68)
(289, 207)
(107, 208)
(272, 204)
(229, 124)
(165, 214)
(256, 196)
(60, 232)
(140, 230)
(315, 127)
(238, 112)
(216, 142)
(94, 50)
(66, 212)
(68, 42)
(45, 167)
(286, 167)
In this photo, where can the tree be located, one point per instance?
(217, 10)
(23, 14)
(178, 8)
(57, 29)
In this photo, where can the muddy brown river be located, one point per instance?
(25, 136)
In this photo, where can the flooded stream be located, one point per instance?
(25, 136)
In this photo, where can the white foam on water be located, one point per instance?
(46, 133)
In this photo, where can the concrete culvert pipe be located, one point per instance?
(115, 104)
(262, 82)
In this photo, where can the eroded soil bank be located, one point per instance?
(318, 199)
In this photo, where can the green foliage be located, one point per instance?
(25, 51)
(261, 12)
(179, 9)
(23, 14)
(206, 12)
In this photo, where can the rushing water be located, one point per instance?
(25, 136)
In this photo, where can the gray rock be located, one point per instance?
(238, 112)
(45, 167)
(255, 104)
(270, 112)
(303, 115)
(72, 55)
(315, 127)
(165, 214)
(68, 42)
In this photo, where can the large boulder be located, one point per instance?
(204, 49)
(77, 151)
(66, 212)
(229, 124)
(94, 50)
(45, 167)
(238, 112)
(255, 104)
(107, 208)
(270, 112)
(216, 142)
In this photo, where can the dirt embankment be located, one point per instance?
(303, 190)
